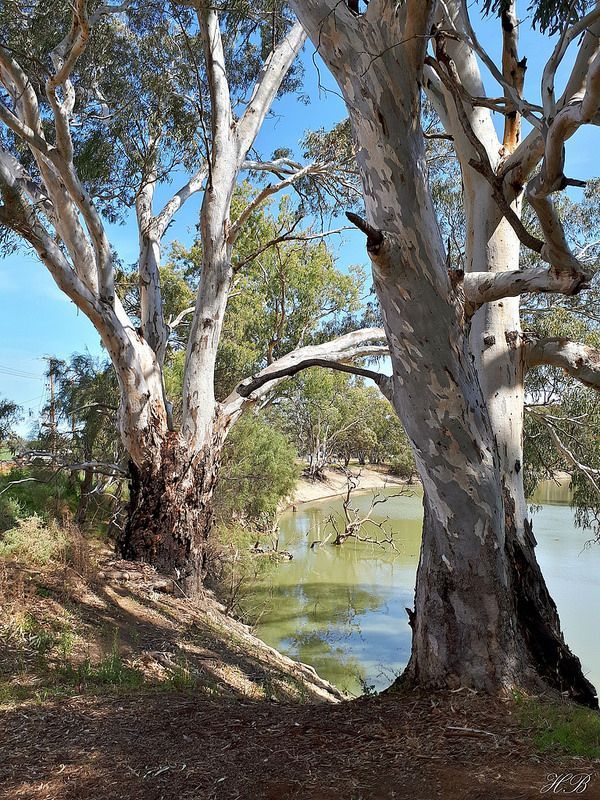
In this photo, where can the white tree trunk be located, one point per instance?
(469, 626)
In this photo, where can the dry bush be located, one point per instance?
(34, 541)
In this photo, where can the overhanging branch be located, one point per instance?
(578, 360)
(337, 354)
(247, 388)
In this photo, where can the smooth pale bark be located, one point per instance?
(471, 626)
(578, 360)
(497, 344)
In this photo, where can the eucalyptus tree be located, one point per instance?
(286, 293)
(483, 615)
(100, 104)
(10, 415)
(85, 404)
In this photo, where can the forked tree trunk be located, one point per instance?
(483, 617)
(170, 515)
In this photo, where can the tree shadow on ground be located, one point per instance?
(184, 746)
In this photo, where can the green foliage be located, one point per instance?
(562, 415)
(549, 15)
(283, 297)
(239, 568)
(109, 671)
(10, 414)
(142, 99)
(181, 676)
(87, 397)
(35, 492)
(331, 415)
(403, 465)
(258, 470)
(561, 726)
(34, 541)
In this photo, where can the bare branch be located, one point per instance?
(268, 191)
(549, 73)
(172, 206)
(485, 287)
(513, 72)
(578, 360)
(267, 86)
(335, 354)
(592, 475)
(482, 164)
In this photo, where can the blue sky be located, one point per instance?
(37, 320)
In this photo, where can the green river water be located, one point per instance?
(342, 609)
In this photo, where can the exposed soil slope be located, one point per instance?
(124, 624)
(113, 689)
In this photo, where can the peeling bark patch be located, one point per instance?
(512, 337)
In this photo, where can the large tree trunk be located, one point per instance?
(496, 343)
(483, 618)
(171, 511)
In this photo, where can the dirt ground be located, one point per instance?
(217, 715)
(166, 746)
(61, 630)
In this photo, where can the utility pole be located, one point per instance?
(52, 362)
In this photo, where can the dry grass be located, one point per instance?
(89, 623)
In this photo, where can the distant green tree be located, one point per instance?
(285, 294)
(86, 403)
(10, 415)
(333, 416)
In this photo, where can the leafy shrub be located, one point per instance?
(403, 465)
(39, 491)
(10, 512)
(258, 471)
(34, 541)
(235, 567)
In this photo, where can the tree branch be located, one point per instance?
(592, 475)
(485, 287)
(269, 81)
(172, 206)
(334, 354)
(578, 360)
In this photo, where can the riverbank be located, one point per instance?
(105, 625)
(335, 483)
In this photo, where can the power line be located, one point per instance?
(17, 369)
(14, 373)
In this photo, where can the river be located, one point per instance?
(342, 609)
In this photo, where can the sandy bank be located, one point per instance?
(307, 491)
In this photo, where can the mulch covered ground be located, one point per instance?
(181, 745)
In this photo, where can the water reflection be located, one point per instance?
(342, 609)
